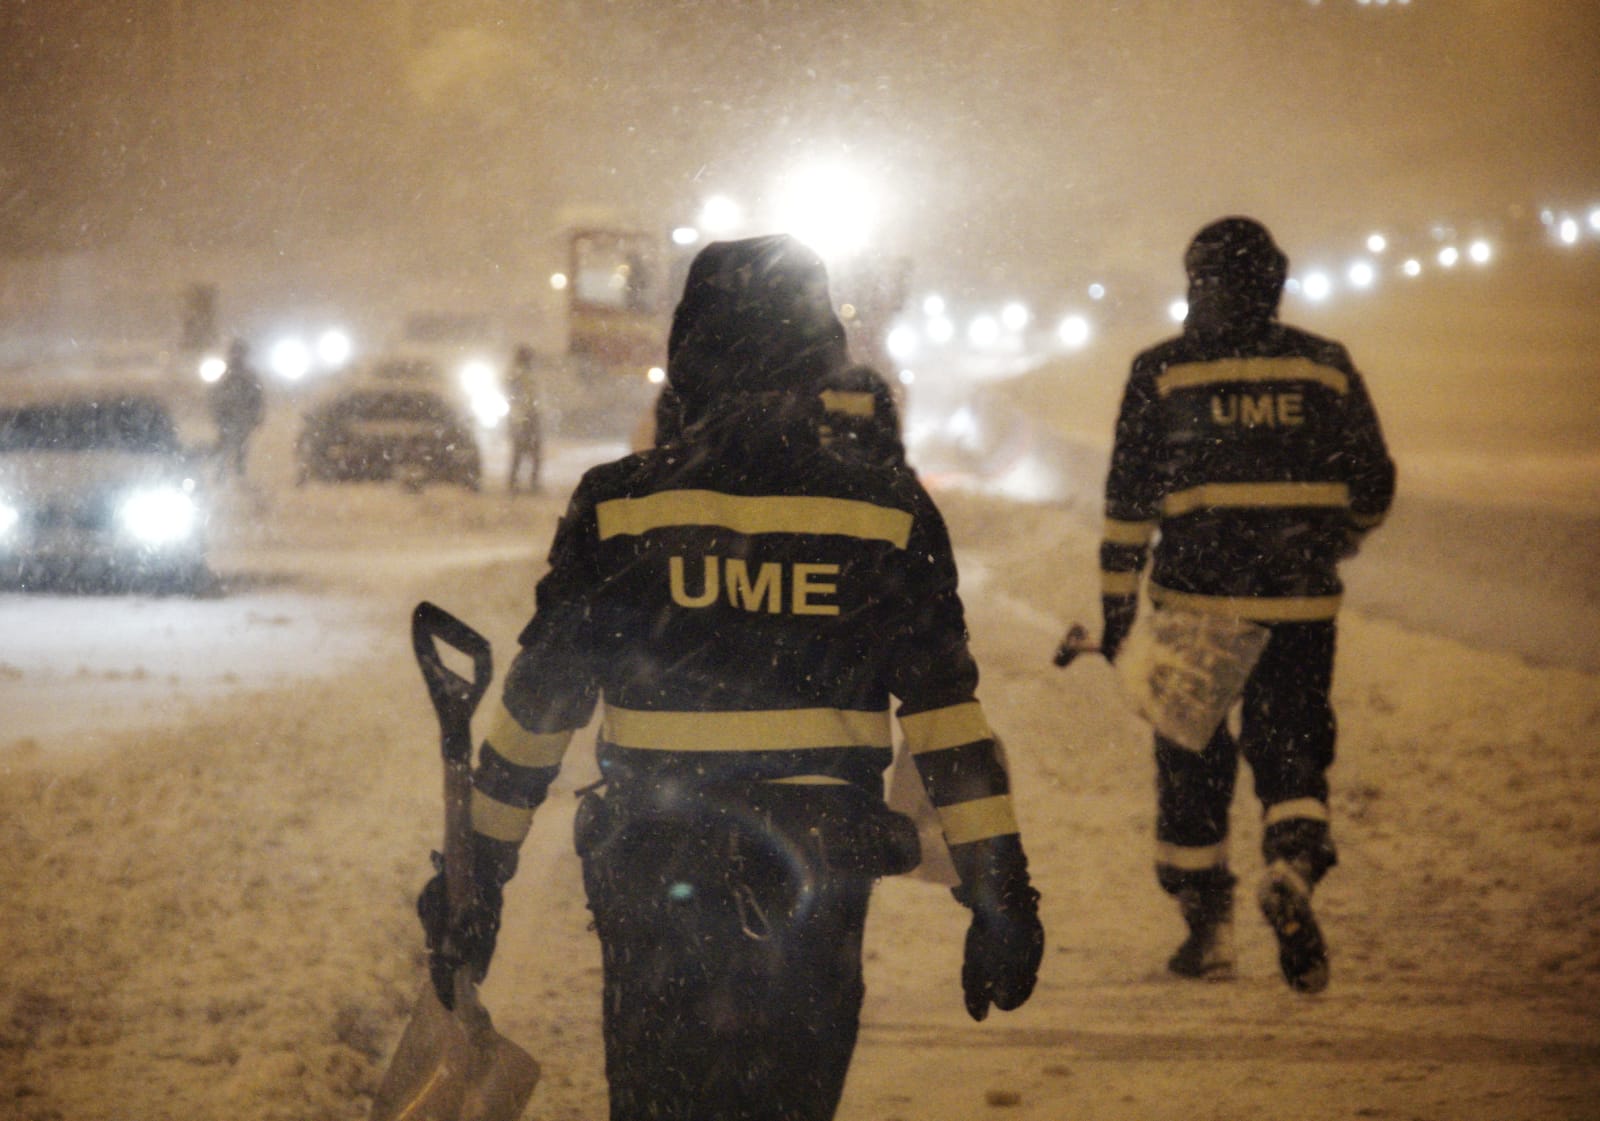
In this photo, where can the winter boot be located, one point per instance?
(1207, 954)
(1286, 903)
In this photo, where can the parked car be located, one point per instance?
(98, 494)
(372, 433)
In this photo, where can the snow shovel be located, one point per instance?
(1181, 670)
(453, 1065)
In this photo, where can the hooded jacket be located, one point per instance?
(740, 603)
(1247, 452)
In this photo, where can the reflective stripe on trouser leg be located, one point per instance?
(1297, 831)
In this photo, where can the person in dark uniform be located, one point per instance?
(527, 425)
(237, 408)
(742, 605)
(1249, 452)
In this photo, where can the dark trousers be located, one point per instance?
(732, 966)
(527, 446)
(1286, 734)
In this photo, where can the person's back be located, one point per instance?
(742, 604)
(1256, 447)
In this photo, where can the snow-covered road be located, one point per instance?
(221, 810)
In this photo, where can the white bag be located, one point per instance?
(1183, 670)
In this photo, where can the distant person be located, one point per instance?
(861, 417)
(742, 605)
(527, 424)
(238, 405)
(1249, 452)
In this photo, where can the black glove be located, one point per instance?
(470, 939)
(1118, 613)
(1005, 940)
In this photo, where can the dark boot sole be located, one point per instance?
(1302, 953)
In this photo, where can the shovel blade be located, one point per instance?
(453, 1066)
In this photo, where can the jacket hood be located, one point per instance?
(756, 317)
(1236, 275)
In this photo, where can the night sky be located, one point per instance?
(1012, 136)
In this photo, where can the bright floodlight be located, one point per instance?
(907, 377)
(933, 306)
(1569, 231)
(830, 208)
(984, 330)
(1178, 310)
(1412, 267)
(655, 375)
(1594, 219)
(902, 342)
(212, 367)
(1015, 316)
(558, 281)
(9, 516)
(940, 329)
(1448, 256)
(1097, 291)
(1480, 251)
(333, 347)
(685, 235)
(1377, 243)
(1073, 332)
(1316, 286)
(290, 359)
(720, 215)
(1361, 274)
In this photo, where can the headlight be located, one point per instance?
(490, 407)
(160, 516)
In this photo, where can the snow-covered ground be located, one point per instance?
(215, 816)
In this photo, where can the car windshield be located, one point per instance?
(395, 406)
(78, 426)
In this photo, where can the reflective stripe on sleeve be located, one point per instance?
(978, 820)
(848, 402)
(498, 820)
(1191, 375)
(769, 730)
(1263, 609)
(940, 728)
(1119, 583)
(1259, 495)
(515, 744)
(750, 515)
(1296, 809)
(1134, 534)
(1187, 858)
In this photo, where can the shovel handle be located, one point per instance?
(454, 697)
